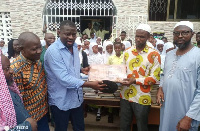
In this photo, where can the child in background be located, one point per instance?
(100, 49)
(116, 59)
(94, 56)
(86, 44)
(108, 48)
(99, 41)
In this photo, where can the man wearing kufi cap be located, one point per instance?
(179, 92)
(143, 71)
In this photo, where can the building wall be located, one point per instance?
(131, 7)
(26, 15)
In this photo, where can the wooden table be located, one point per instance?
(154, 115)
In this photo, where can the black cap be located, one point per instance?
(110, 88)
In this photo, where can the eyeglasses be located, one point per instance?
(183, 33)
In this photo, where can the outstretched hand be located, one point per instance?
(96, 85)
(128, 81)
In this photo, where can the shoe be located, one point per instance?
(110, 118)
(98, 117)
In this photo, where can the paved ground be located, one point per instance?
(92, 125)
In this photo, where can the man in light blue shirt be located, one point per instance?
(62, 66)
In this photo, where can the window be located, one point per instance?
(5, 27)
(162, 10)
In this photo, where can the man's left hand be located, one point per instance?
(128, 81)
(184, 124)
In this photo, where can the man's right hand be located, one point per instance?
(33, 123)
(96, 85)
(160, 96)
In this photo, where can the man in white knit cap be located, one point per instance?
(179, 92)
(143, 71)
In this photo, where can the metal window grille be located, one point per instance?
(158, 10)
(59, 10)
(5, 27)
(127, 24)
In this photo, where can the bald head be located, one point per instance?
(25, 37)
(49, 38)
(30, 45)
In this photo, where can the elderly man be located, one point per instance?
(179, 91)
(30, 78)
(62, 65)
(143, 71)
(11, 101)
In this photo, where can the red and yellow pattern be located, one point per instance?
(152, 56)
(135, 62)
(30, 78)
(144, 66)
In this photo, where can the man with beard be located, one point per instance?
(62, 65)
(179, 92)
(143, 71)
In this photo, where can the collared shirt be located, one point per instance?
(63, 76)
(115, 60)
(88, 31)
(30, 78)
(42, 54)
(101, 33)
(145, 68)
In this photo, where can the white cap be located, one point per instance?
(159, 42)
(144, 27)
(78, 41)
(186, 23)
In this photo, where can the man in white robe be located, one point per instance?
(179, 92)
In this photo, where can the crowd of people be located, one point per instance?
(36, 79)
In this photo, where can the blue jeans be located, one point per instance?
(43, 124)
(61, 118)
(141, 114)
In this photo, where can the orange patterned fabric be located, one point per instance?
(144, 66)
(30, 78)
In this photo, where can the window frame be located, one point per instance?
(175, 12)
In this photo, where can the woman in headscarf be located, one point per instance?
(13, 49)
(13, 115)
(108, 49)
(94, 56)
(159, 47)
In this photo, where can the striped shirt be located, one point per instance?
(30, 78)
